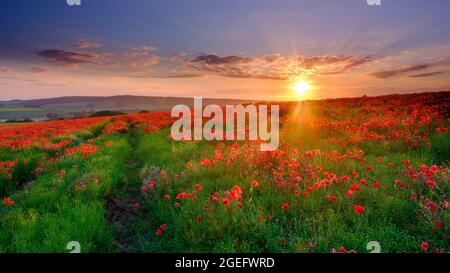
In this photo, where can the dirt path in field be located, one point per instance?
(122, 214)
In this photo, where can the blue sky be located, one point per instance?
(181, 47)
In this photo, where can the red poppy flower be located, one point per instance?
(349, 193)
(255, 184)
(285, 206)
(199, 218)
(8, 201)
(376, 185)
(332, 198)
(358, 209)
(424, 246)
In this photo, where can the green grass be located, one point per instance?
(388, 217)
(51, 210)
(52, 213)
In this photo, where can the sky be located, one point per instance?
(249, 49)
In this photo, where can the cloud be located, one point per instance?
(68, 58)
(165, 76)
(5, 69)
(145, 62)
(216, 60)
(423, 75)
(274, 66)
(385, 74)
(136, 59)
(36, 69)
(394, 72)
(180, 76)
(84, 44)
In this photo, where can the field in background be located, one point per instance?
(347, 172)
(70, 107)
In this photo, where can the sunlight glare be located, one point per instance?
(301, 88)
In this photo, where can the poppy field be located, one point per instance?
(347, 173)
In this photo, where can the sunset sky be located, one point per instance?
(255, 49)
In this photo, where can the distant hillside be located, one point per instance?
(85, 106)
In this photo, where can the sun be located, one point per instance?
(302, 87)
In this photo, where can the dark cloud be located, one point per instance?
(260, 77)
(64, 57)
(169, 76)
(216, 60)
(135, 59)
(423, 75)
(385, 74)
(354, 62)
(394, 72)
(36, 69)
(4, 69)
(175, 76)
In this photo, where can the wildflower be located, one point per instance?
(313, 244)
(136, 205)
(285, 206)
(167, 196)
(182, 195)
(358, 209)
(349, 193)
(198, 218)
(332, 198)
(376, 185)
(198, 187)
(158, 232)
(424, 246)
(235, 193)
(431, 184)
(255, 184)
(8, 201)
